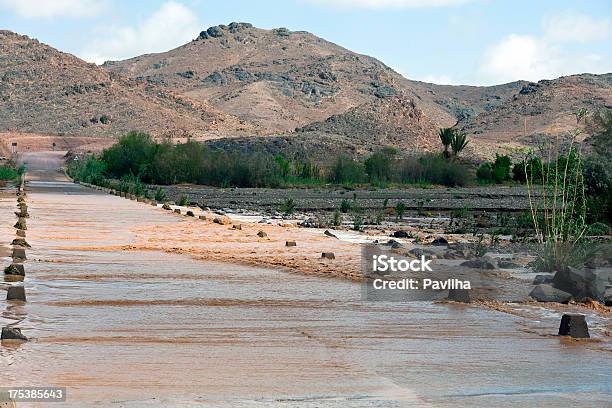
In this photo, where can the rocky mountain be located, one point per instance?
(278, 79)
(276, 89)
(543, 109)
(43, 90)
(389, 121)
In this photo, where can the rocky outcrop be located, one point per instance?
(547, 293)
(583, 283)
(480, 263)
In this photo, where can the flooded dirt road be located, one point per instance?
(147, 328)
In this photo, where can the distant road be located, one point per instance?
(44, 165)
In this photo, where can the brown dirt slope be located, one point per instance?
(48, 91)
(546, 108)
(278, 79)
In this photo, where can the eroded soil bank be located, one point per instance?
(129, 305)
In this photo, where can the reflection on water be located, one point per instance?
(138, 328)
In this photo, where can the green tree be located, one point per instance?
(458, 143)
(446, 137)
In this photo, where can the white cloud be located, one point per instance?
(379, 4)
(532, 58)
(170, 26)
(53, 8)
(575, 27)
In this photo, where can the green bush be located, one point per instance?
(432, 169)
(345, 205)
(7, 173)
(400, 210)
(288, 206)
(346, 171)
(498, 172)
(183, 201)
(160, 195)
(484, 173)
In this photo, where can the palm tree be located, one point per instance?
(458, 143)
(446, 136)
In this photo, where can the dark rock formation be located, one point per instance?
(12, 333)
(480, 263)
(440, 241)
(459, 295)
(330, 234)
(20, 242)
(19, 253)
(539, 279)
(15, 269)
(574, 325)
(328, 255)
(583, 283)
(547, 293)
(16, 293)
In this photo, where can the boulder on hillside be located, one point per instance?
(400, 234)
(547, 293)
(262, 234)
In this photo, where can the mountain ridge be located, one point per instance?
(239, 81)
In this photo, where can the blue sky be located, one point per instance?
(476, 42)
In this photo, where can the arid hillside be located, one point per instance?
(542, 109)
(280, 88)
(282, 80)
(43, 90)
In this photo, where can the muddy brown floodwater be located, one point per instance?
(148, 328)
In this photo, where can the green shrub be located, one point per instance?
(160, 195)
(346, 171)
(183, 200)
(345, 205)
(337, 218)
(8, 173)
(484, 173)
(288, 206)
(400, 210)
(432, 169)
